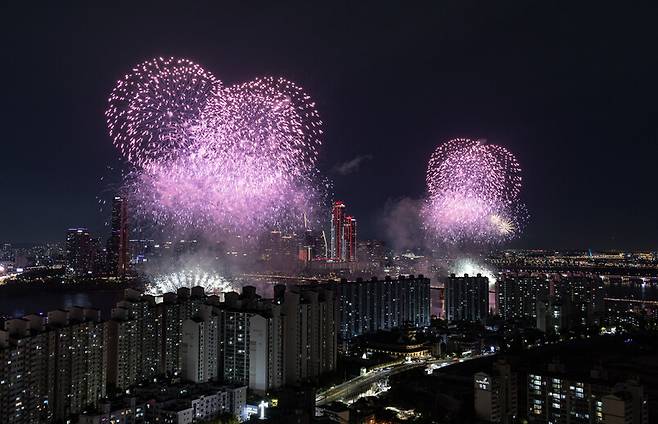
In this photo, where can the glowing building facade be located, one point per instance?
(467, 298)
(337, 215)
(553, 396)
(117, 245)
(369, 306)
(200, 346)
(309, 332)
(349, 236)
(132, 347)
(517, 296)
(496, 394)
(251, 341)
(51, 367)
(80, 252)
(343, 234)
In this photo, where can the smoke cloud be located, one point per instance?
(352, 165)
(401, 223)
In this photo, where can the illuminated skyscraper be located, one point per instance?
(79, 252)
(132, 340)
(251, 341)
(467, 298)
(561, 395)
(117, 245)
(349, 236)
(496, 394)
(51, 367)
(337, 221)
(315, 243)
(343, 234)
(309, 332)
(200, 346)
(517, 296)
(369, 306)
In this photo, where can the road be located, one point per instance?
(355, 386)
(284, 277)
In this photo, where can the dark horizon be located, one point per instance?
(570, 91)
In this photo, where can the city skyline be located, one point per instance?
(479, 81)
(364, 213)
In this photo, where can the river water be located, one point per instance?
(44, 300)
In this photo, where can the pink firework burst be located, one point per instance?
(151, 109)
(266, 113)
(242, 197)
(239, 159)
(473, 190)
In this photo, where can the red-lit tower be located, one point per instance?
(337, 223)
(349, 233)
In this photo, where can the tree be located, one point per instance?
(225, 418)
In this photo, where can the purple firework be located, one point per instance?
(151, 108)
(473, 190)
(239, 159)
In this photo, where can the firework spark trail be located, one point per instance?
(265, 118)
(473, 193)
(190, 193)
(151, 108)
(238, 159)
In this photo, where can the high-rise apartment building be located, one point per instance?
(239, 341)
(626, 404)
(117, 245)
(575, 302)
(309, 333)
(268, 343)
(51, 367)
(551, 317)
(200, 346)
(553, 396)
(496, 394)
(582, 298)
(170, 314)
(467, 298)
(132, 340)
(251, 341)
(80, 252)
(24, 379)
(145, 338)
(77, 359)
(369, 306)
(517, 296)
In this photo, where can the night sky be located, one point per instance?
(571, 89)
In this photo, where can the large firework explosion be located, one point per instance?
(189, 277)
(151, 108)
(238, 159)
(473, 192)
